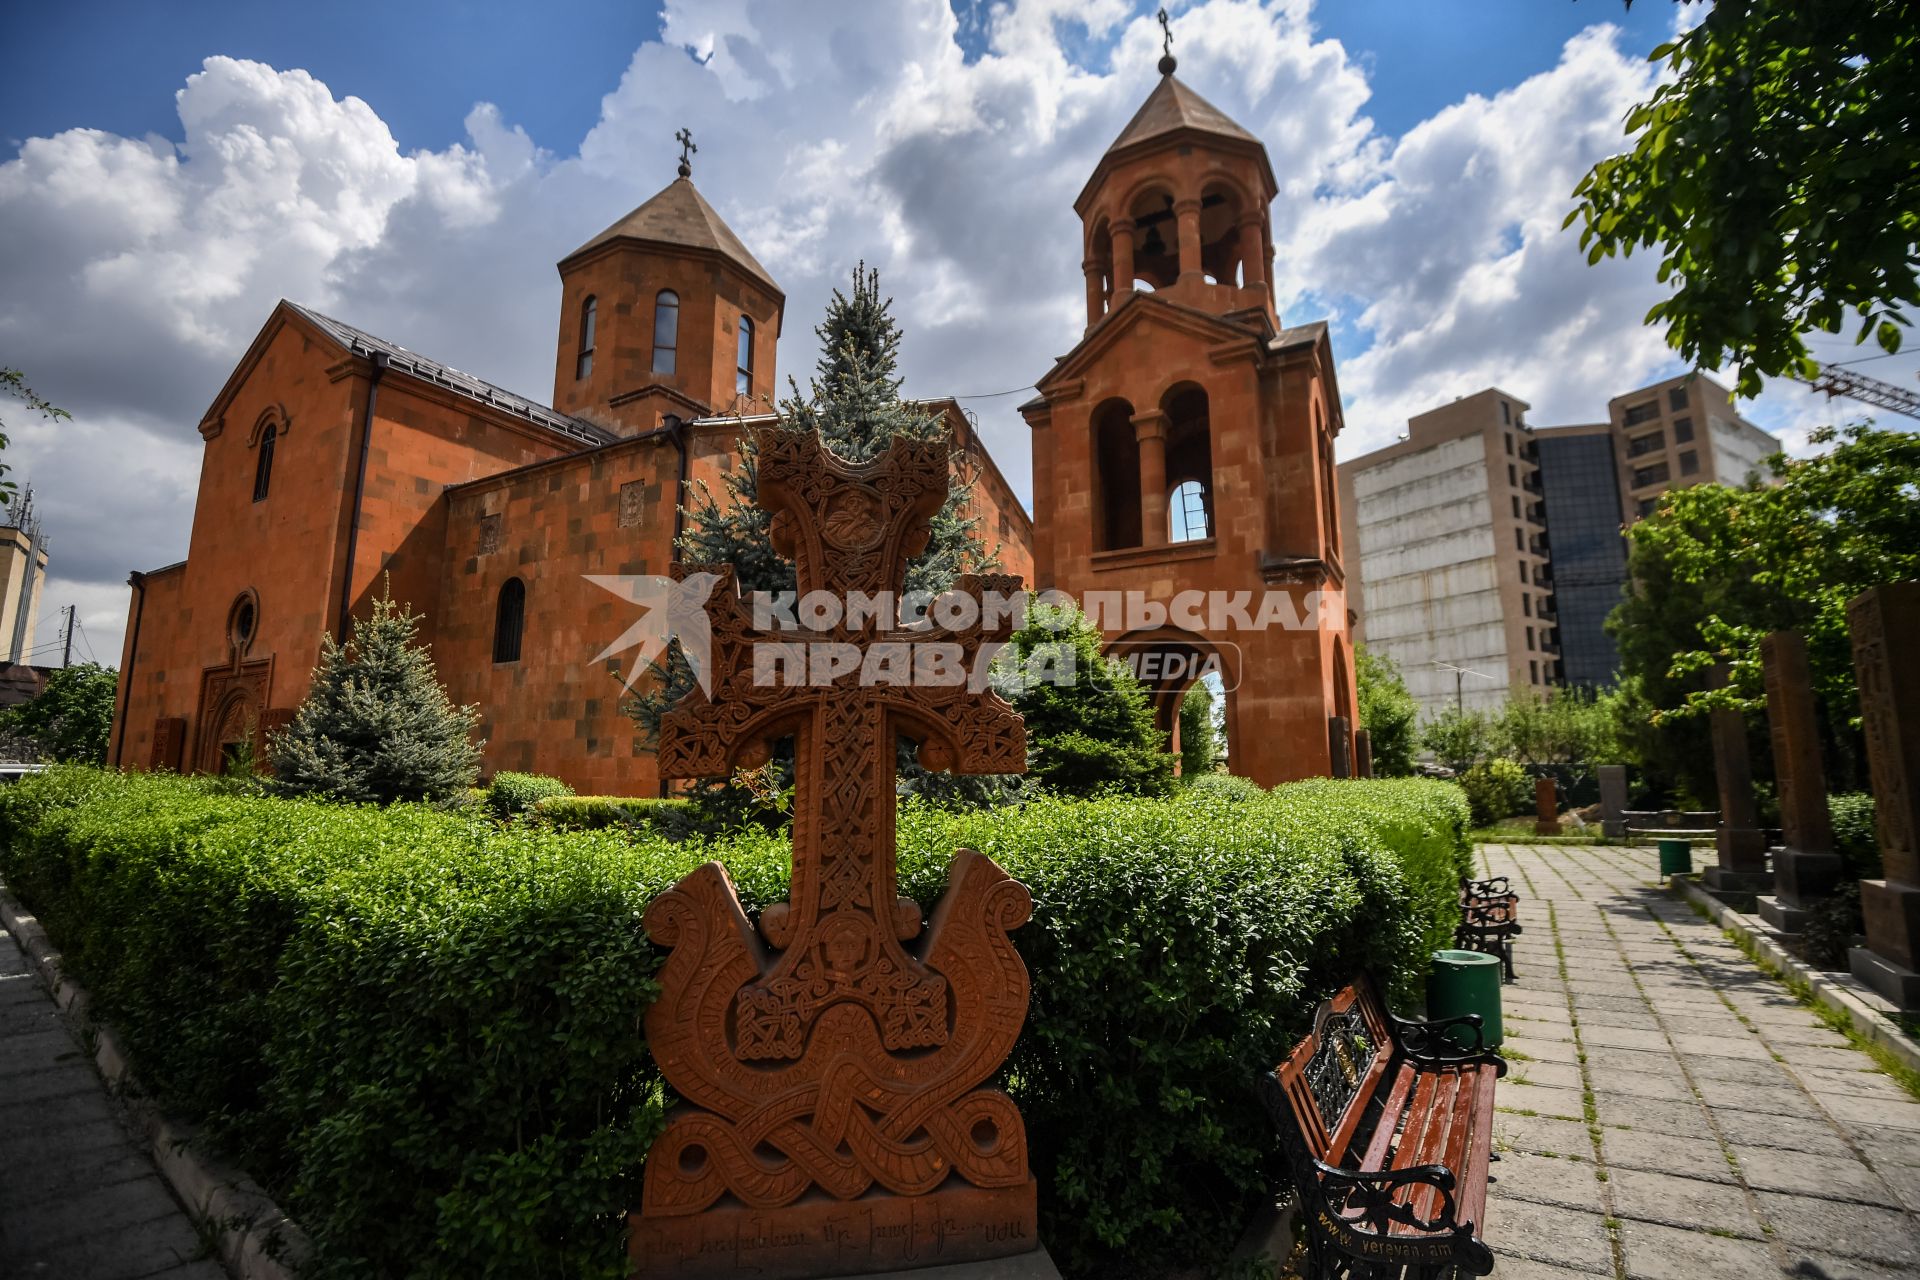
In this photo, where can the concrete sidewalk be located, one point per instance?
(1673, 1113)
(79, 1198)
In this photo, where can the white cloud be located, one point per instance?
(138, 270)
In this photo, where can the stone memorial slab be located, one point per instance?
(1362, 754)
(1339, 745)
(1613, 800)
(831, 1058)
(1885, 625)
(1741, 843)
(1805, 867)
(1546, 807)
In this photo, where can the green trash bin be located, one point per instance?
(1466, 982)
(1676, 858)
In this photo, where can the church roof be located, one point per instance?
(680, 215)
(362, 343)
(1171, 106)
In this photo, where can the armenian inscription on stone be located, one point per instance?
(830, 1058)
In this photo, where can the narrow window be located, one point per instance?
(1516, 506)
(1523, 571)
(1529, 637)
(1677, 397)
(1526, 604)
(1682, 430)
(1533, 668)
(666, 330)
(743, 363)
(1519, 540)
(1187, 515)
(1513, 477)
(1689, 463)
(263, 465)
(1506, 416)
(589, 317)
(509, 619)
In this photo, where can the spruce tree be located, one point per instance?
(1090, 724)
(376, 725)
(853, 402)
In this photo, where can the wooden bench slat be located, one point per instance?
(1394, 1108)
(1471, 1196)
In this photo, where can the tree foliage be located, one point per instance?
(1458, 737)
(1776, 168)
(1568, 732)
(1200, 745)
(1715, 569)
(1090, 727)
(376, 724)
(72, 718)
(13, 386)
(1387, 712)
(854, 403)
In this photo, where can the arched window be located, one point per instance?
(509, 619)
(589, 317)
(743, 363)
(666, 330)
(263, 465)
(1187, 513)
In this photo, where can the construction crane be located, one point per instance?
(1836, 381)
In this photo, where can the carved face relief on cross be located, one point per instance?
(856, 1048)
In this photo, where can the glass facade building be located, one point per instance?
(1580, 479)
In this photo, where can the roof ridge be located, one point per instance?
(358, 340)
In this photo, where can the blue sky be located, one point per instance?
(169, 171)
(116, 65)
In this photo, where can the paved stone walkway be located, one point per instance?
(79, 1198)
(1673, 1113)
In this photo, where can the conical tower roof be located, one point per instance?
(679, 215)
(1173, 106)
(1173, 110)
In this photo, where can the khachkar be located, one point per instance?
(1885, 624)
(1742, 844)
(1805, 867)
(831, 1063)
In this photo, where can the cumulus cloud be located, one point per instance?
(139, 269)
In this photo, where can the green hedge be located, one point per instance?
(511, 794)
(423, 1030)
(596, 813)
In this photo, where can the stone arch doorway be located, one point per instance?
(1169, 661)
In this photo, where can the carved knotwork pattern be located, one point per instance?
(1880, 712)
(841, 1043)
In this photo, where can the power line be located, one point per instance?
(994, 395)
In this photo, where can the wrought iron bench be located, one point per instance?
(1489, 920)
(1388, 1129)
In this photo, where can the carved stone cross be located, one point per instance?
(830, 1061)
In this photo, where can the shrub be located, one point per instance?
(376, 725)
(511, 794)
(1855, 837)
(1831, 927)
(1496, 789)
(423, 1029)
(1221, 786)
(596, 813)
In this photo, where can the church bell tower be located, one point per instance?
(1185, 444)
(666, 313)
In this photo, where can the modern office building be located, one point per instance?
(1580, 481)
(1458, 579)
(1679, 432)
(1449, 535)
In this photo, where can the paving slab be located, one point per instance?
(1742, 1137)
(79, 1197)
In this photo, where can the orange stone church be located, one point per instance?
(1184, 444)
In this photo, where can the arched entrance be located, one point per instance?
(1169, 661)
